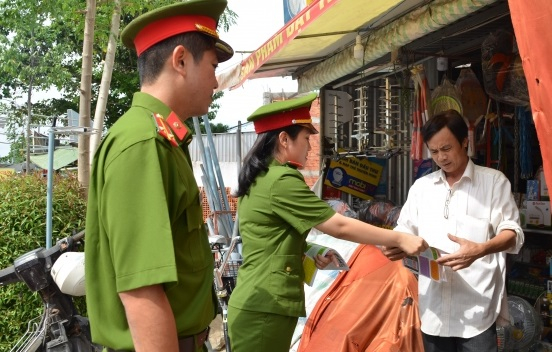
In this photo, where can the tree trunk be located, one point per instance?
(86, 94)
(103, 94)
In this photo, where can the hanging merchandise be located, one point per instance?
(445, 97)
(489, 118)
(499, 137)
(420, 114)
(525, 152)
(503, 75)
(474, 103)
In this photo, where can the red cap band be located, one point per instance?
(283, 119)
(164, 28)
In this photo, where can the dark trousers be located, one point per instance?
(484, 342)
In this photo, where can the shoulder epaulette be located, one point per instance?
(163, 129)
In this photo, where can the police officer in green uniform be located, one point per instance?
(149, 267)
(276, 211)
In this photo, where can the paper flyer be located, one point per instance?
(425, 264)
(309, 266)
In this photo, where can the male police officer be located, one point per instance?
(148, 261)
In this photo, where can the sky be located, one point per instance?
(258, 20)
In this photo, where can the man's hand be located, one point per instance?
(464, 257)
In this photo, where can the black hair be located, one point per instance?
(374, 211)
(450, 119)
(260, 155)
(392, 217)
(151, 61)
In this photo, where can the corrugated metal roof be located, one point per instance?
(62, 157)
(226, 145)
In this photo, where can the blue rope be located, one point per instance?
(525, 155)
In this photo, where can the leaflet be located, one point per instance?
(309, 265)
(425, 264)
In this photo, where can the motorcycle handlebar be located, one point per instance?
(9, 275)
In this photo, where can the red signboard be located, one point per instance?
(279, 40)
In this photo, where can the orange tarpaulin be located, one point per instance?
(373, 307)
(532, 22)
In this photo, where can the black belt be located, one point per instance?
(192, 343)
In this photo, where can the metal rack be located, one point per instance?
(66, 130)
(334, 122)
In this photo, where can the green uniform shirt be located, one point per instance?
(274, 220)
(144, 226)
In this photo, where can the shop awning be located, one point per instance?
(318, 31)
(316, 47)
(62, 158)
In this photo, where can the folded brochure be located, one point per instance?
(309, 265)
(425, 264)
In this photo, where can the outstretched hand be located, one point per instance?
(464, 257)
(412, 245)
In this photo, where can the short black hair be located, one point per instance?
(151, 61)
(450, 119)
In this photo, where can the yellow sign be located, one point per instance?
(359, 177)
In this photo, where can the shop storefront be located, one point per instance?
(382, 68)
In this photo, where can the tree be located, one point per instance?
(31, 53)
(66, 70)
(106, 78)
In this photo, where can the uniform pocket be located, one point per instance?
(194, 217)
(286, 277)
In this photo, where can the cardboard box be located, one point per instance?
(543, 188)
(538, 214)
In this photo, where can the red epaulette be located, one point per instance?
(163, 129)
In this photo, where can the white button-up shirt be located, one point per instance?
(480, 206)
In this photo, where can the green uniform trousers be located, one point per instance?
(258, 331)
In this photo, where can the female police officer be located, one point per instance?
(276, 211)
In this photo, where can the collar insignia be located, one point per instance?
(294, 164)
(177, 126)
(163, 129)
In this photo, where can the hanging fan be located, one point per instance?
(524, 330)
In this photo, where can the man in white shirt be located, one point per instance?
(468, 212)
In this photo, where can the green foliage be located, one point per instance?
(22, 229)
(38, 51)
(33, 44)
